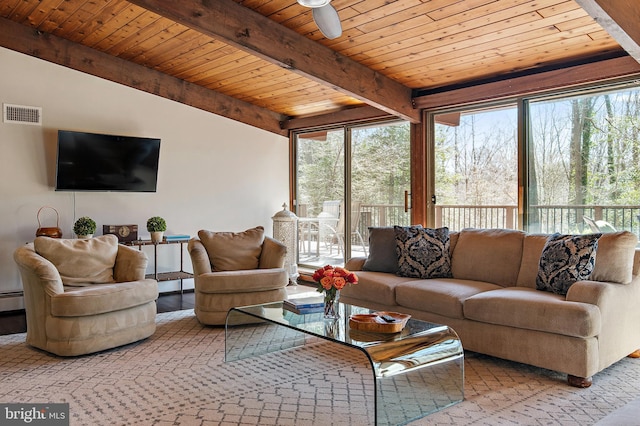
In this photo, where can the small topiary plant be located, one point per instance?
(84, 226)
(156, 224)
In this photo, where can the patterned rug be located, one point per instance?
(178, 377)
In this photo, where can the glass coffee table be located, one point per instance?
(416, 371)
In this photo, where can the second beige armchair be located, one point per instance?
(235, 269)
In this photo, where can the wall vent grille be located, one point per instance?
(21, 114)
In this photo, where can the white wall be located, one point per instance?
(214, 173)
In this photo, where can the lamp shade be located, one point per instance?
(328, 21)
(313, 3)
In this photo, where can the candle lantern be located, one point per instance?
(285, 230)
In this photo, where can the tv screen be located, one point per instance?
(95, 162)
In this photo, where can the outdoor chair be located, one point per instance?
(599, 225)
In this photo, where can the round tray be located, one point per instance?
(374, 323)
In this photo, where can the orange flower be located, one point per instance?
(327, 283)
(339, 283)
(333, 278)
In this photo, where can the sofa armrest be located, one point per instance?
(37, 272)
(131, 264)
(199, 257)
(619, 313)
(355, 263)
(273, 254)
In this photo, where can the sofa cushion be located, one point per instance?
(531, 309)
(531, 251)
(423, 252)
(382, 250)
(614, 260)
(80, 262)
(443, 296)
(233, 251)
(377, 287)
(102, 298)
(566, 259)
(491, 255)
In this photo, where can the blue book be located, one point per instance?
(176, 237)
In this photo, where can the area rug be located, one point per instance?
(178, 377)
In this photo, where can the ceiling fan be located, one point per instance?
(325, 16)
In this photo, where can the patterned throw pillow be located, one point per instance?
(566, 259)
(423, 252)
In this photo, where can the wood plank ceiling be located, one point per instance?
(199, 53)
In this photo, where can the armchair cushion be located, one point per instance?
(233, 251)
(81, 262)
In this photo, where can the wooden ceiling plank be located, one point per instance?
(558, 51)
(60, 15)
(525, 27)
(165, 40)
(457, 8)
(81, 58)
(558, 8)
(99, 22)
(532, 53)
(42, 12)
(620, 19)
(147, 36)
(433, 31)
(264, 38)
(112, 26)
(22, 10)
(9, 6)
(497, 43)
(127, 33)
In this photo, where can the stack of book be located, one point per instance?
(181, 237)
(304, 305)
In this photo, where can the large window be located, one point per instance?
(564, 163)
(584, 163)
(346, 180)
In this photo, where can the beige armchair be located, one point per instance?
(235, 269)
(85, 296)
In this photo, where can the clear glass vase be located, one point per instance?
(331, 304)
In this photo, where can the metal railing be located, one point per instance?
(542, 218)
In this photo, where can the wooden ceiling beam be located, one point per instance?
(258, 35)
(620, 19)
(59, 51)
(568, 77)
(337, 118)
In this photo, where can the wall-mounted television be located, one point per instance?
(98, 162)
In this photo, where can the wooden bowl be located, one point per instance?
(374, 322)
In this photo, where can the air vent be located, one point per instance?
(20, 114)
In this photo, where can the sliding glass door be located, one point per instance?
(584, 163)
(475, 168)
(346, 180)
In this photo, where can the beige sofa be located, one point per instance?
(85, 296)
(492, 302)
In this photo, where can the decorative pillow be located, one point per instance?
(566, 259)
(80, 262)
(382, 250)
(233, 251)
(423, 252)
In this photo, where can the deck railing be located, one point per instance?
(544, 219)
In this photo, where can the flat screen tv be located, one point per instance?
(96, 162)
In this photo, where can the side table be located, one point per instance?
(164, 276)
